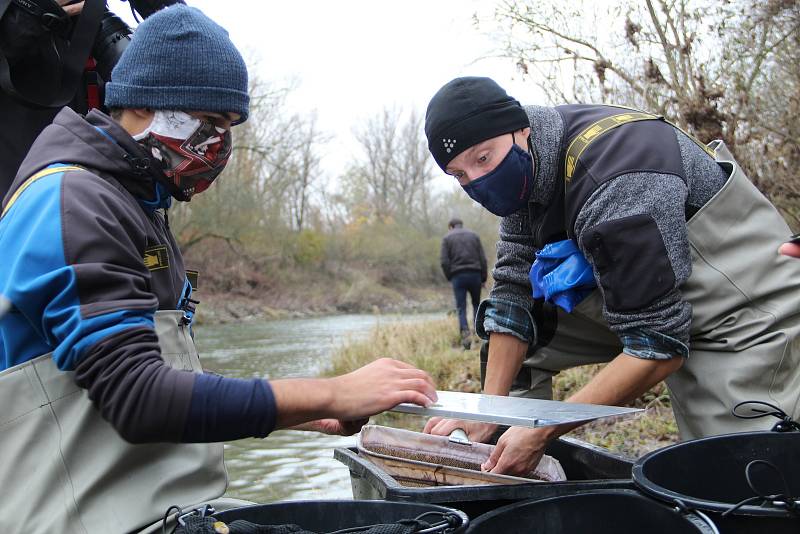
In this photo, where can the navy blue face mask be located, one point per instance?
(508, 187)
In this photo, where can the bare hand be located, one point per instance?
(518, 452)
(380, 386)
(334, 427)
(480, 432)
(790, 249)
(72, 9)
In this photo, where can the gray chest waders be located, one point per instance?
(65, 469)
(745, 302)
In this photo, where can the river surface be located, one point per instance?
(288, 465)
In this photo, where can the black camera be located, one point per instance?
(114, 35)
(112, 39)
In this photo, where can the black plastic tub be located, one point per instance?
(329, 516)
(587, 468)
(596, 512)
(709, 475)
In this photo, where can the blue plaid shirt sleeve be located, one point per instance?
(651, 345)
(505, 317)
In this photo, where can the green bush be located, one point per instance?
(309, 248)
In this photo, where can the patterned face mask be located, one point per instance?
(191, 152)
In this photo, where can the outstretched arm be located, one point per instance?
(372, 389)
(623, 380)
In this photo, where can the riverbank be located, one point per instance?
(435, 347)
(315, 299)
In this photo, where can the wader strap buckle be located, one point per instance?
(204, 511)
(189, 307)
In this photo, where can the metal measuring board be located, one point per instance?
(513, 411)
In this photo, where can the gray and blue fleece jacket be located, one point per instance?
(74, 244)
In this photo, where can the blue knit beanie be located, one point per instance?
(180, 59)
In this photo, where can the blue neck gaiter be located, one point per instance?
(507, 188)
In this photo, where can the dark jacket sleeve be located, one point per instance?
(444, 258)
(484, 265)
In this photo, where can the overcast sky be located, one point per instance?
(352, 58)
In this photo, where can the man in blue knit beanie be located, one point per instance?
(107, 416)
(181, 62)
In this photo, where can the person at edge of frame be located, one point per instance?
(36, 48)
(108, 419)
(623, 240)
(464, 265)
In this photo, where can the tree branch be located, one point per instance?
(667, 51)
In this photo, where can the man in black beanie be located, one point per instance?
(623, 240)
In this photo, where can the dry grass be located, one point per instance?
(654, 429)
(434, 346)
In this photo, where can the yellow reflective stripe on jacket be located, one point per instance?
(708, 150)
(585, 138)
(41, 174)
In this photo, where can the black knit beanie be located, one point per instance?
(467, 111)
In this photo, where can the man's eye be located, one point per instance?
(212, 119)
(482, 158)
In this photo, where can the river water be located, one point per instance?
(288, 465)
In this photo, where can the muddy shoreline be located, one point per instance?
(217, 308)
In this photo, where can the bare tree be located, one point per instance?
(250, 204)
(415, 169)
(376, 172)
(393, 178)
(718, 69)
(304, 168)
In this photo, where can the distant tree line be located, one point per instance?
(277, 217)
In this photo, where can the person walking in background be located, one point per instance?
(464, 266)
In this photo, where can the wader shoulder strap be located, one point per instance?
(706, 148)
(41, 174)
(593, 131)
